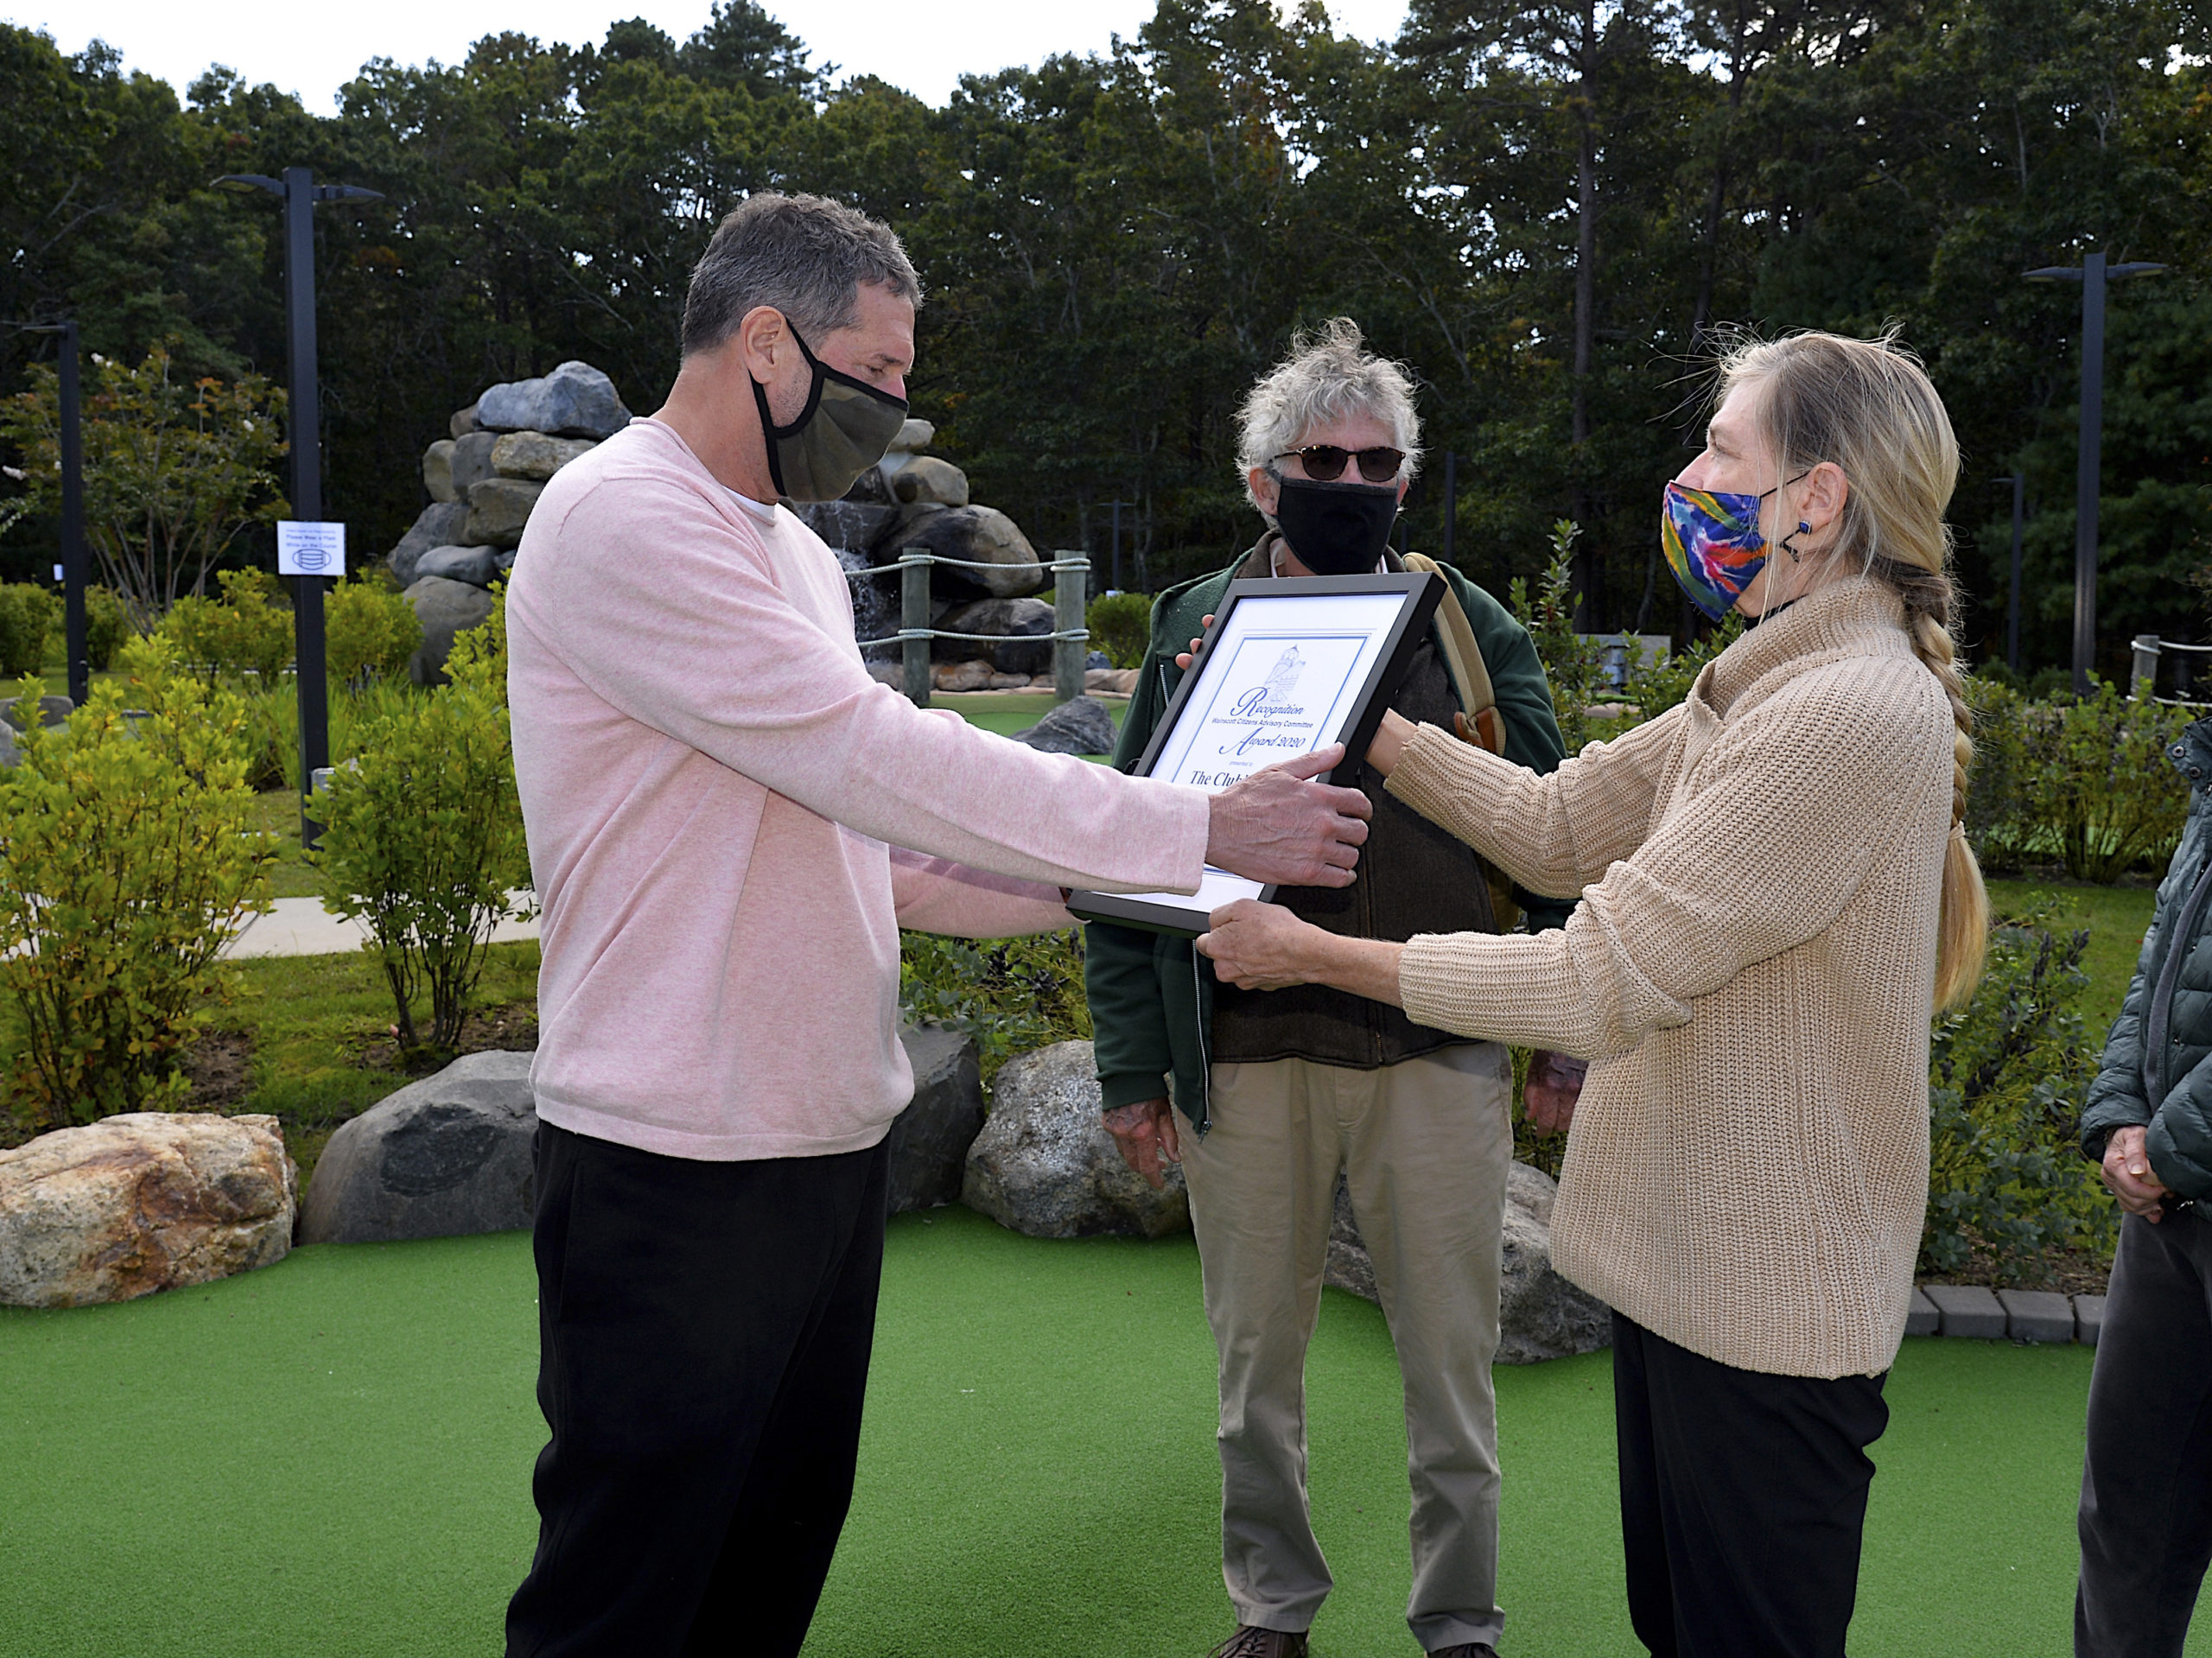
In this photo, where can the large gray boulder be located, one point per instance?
(926, 477)
(1011, 631)
(474, 565)
(575, 400)
(930, 1139)
(444, 607)
(981, 534)
(1078, 726)
(535, 454)
(437, 471)
(471, 461)
(1541, 1315)
(498, 510)
(146, 1201)
(439, 524)
(449, 1155)
(1045, 1164)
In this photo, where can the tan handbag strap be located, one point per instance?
(1463, 660)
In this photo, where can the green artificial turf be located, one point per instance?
(333, 1456)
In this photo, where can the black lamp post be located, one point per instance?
(299, 193)
(73, 574)
(2093, 273)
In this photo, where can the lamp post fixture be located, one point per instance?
(73, 573)
(2093, 273)
(300, 194)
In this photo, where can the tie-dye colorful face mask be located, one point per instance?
(1712, 545)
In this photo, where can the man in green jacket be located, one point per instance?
(2146, 1478)
(1283, 1090)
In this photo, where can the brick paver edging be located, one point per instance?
(1980, 1314)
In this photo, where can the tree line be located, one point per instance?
(1551, 210)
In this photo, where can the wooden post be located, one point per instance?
(1070, 581)
(914, 618)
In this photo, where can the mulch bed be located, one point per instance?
(510, 1029)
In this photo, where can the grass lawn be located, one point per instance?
(2117, 917)
(1007, 712)
(333, 1456)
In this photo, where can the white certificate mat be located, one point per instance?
(1290, 666)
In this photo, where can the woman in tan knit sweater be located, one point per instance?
(1776, 894)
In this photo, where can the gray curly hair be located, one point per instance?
(1327, 375)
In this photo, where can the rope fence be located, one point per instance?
(1071, 587)
(2142, 678)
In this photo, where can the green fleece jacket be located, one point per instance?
(1151, 993)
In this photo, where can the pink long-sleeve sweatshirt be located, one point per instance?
(729, 820)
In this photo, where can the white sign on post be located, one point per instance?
(309, 548)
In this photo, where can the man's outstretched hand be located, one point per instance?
(1146, 1133)
(1278, 825)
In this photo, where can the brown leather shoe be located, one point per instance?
(1252, 1642)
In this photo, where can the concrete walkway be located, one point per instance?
(301, 926)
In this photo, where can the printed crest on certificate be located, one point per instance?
(1291, 664)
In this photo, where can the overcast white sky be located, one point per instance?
(312, 49)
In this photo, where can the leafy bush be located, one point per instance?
(29, 614)
(1573, 663)
(1655, 686)
(2003, 806)
(369, 631)
(125, 865)
(1011, 994)
(106, 627)
(247, 632)
(272, 731)
(2106, 793)
(1121, 626)
(423, 841)
(2006, 1077)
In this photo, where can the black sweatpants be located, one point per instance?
(2146, 1478)
(703, 1332)
(1743, 1498)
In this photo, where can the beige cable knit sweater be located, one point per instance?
(1751, 971)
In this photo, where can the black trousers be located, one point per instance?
(1743, 1498)
(2146, 1479)
(704, 1333)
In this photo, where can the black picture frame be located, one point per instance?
(1419, 592)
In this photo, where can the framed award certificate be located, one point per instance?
(1290, 664)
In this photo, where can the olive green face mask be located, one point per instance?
(843, 430)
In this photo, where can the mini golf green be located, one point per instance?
(332, 1455)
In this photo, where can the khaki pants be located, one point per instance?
(1425, 1145)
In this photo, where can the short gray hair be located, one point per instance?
(1327, 375)
(805, 256)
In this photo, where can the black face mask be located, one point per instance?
(1336, 529)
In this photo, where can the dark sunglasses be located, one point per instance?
(1325, 462)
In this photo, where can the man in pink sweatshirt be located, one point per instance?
(729, 821)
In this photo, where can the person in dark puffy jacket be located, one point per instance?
(2146, 1476)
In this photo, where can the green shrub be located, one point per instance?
(1655, 687)
(1121, 626)
(2006, 1077)
(1573, 663)
(125, 865)
(106, 626)
(271, 730)
(478, 660)
(29, 614)
(2004, 814)
(424, 841)
(2103, 791)
(369, 631)
(247, 632)
(1011, 994)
